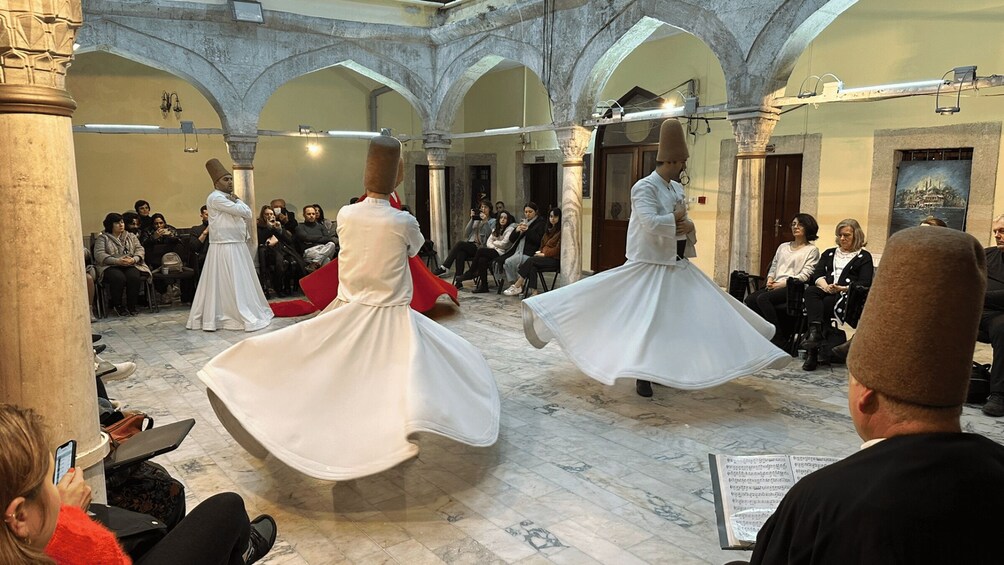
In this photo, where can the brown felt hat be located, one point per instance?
(672, 142)
(382, 163)
(216, 170)
(917, 332)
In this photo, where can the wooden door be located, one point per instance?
(423, 202)
(544, 185)
(782, 198)
(619, 169)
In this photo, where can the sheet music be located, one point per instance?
(753, 486)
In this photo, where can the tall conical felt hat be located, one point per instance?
(917, 332)
(382, 164)
(672, 142)
(216, 170)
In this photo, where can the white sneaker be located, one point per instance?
(122, 371)
(513, 290)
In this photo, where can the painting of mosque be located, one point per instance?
(931, 188)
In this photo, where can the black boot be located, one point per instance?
(815, 337)
(811, 359)
(482, 286)
(458, 282)
(643, 388)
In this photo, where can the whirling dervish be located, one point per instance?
(369, 371)
(657, 318)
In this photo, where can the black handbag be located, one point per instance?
(738, 284)
(137, 533)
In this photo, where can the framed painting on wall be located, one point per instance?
(938, 188)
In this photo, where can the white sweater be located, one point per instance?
(797, 263)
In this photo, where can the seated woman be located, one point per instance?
(526, 237)
(275, 251)
(476, 233)
(793, 259)
(120, 263)
(547, 257)
(837, 269)
(498, 243)
(45, 523)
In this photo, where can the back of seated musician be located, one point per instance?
(920, 490)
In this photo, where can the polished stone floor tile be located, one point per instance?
(582, 473)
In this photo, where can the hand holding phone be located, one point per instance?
(66, 458)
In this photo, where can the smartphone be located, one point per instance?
(277, 211)
(66, 458)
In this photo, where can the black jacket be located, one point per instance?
(532, 235)
(859, 270)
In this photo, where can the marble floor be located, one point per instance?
(582, 473)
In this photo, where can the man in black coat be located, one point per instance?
(992, 320)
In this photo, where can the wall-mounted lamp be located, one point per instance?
(305, 130)
(612, 107)
(688, 103)
(189, 128)
(169, 101)
(960, 75)
(246, 11)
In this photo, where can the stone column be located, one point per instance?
(573, 141)
(46, 362)
(436, 148)
(752, 130)
(242, 149)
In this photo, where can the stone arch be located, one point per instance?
(169, 58)
(605, 50)
(380, 69)
(471, 65)
(800, 28)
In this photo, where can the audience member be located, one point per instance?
(132, 223)
(329, 224)
(159, 239)
(274, 244)
(317, 244)
(920, 490)
(353, 200)
(793, 259)
(476, 233)
(119, 259)
(932, 221)
(142, 208)
(837, 268)
(45, 522)
(547, 257)
(499, 207)
(285, 216)
(199, 241)
(526, 236)
(498, 244)
(992, 320)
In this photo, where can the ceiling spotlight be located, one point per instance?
(960, 75)
(305, 130)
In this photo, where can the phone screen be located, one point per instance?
(66, 458)
(277, 211)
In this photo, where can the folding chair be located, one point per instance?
(542, 281)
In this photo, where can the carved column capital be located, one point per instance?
(242, 149)
(36, 47)
(753, 129)
(436, 147)
(573, 142)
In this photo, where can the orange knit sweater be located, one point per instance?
(79, 540)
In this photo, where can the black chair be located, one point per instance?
(498, 267)
(542, 281)
(795, 310)
(742, 284)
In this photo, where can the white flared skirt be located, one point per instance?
(229, 295)
(337, 396)
(668, 324)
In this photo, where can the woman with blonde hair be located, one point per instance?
(837, 268)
